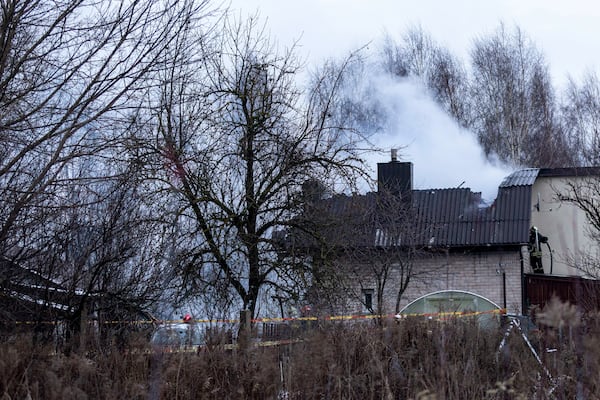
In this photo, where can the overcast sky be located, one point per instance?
(443, 155)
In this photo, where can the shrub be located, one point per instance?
(412, 359)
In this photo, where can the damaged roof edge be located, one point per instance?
(527, 176)
(523, 177)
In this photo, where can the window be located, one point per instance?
(368, 299)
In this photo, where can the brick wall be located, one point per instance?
(477, 272)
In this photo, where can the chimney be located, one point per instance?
(395, 177)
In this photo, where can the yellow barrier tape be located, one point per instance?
(441, 315)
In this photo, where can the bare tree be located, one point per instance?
(413, 57)
(513, 102)
(419, 56)
(360, 105)
(105, 254)
(238, 139)
(370, 245)
(68, 71)
(546, 145)
(581, 118)
(70, 212)
(448, 81)
(98, 260)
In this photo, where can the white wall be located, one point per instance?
(564, 224)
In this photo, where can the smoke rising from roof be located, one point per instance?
(444, 155)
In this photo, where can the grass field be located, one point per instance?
(412, 359)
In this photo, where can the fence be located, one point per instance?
(539, 290)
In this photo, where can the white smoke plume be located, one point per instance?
(443, 154)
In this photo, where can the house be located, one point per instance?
(28, 296)
(31, 301)
(399, 245)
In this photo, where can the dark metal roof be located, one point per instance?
(453, 217)
(457, 218)
(565, 172)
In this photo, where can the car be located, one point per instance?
(183, 336)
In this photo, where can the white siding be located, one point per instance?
(563, 223)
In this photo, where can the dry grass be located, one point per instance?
(415, 359)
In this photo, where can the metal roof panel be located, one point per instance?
(524, 177)
(453, 217)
